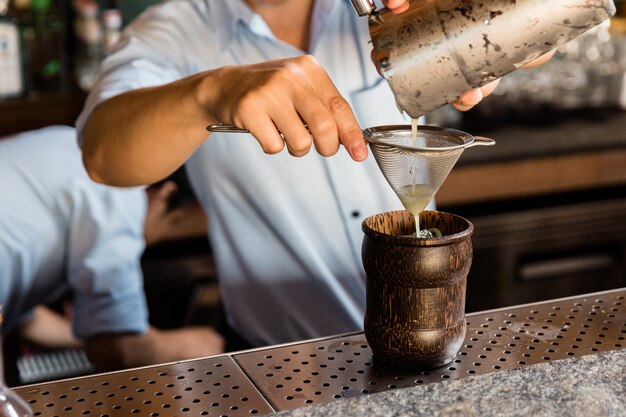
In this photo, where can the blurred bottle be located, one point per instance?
(112, 21)
(12, 81)
(44, 31)
(89, 43)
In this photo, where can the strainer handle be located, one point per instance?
(226, 129)
(481, 141)
(223, 128)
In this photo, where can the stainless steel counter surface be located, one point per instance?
(325, 371)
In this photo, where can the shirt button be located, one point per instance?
(356, 213)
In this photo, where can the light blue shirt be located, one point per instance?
(286, 231)
(59, 230)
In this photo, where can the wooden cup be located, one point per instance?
(415, 311)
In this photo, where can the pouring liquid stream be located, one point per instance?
(415, 196)
(419, 194)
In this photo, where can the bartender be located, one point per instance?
(285, 223)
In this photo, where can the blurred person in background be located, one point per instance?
(60, 232)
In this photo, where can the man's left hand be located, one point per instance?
(396, 6)
(475, 95)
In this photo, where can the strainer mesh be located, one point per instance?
(415, 169)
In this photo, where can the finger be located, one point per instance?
(253, 115)
(487, 89)
(161, 193)
(469, 99)
(375, 62)
(540, 61)
(265, 132)
(396, 6)
(325, 134)
(350, 134)
(461, 107)
(168, 189)
(400, 9)
(296, 136)
(321, 123)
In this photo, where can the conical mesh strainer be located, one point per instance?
(416, 168)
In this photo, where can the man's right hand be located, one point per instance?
(282, 96)
(142, 136)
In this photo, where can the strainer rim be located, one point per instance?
(464, 138)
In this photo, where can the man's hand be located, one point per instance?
(469, 99)
(475, 95)
(159, 198)
(396, 6)
(109, 352)
(168, 122)
(49, 329)
(541, 60)
(279, 97)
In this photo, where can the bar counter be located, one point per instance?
(557, 357)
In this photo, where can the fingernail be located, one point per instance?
(358, 152)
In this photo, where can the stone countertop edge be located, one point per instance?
(587, 386)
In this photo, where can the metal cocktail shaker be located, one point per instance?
(439, 49)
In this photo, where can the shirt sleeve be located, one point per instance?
(150, 53)
(105, 244)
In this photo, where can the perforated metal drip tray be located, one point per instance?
(318, 372)
(206, 387)
(291, 376)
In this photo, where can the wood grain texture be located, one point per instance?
(415, 309)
